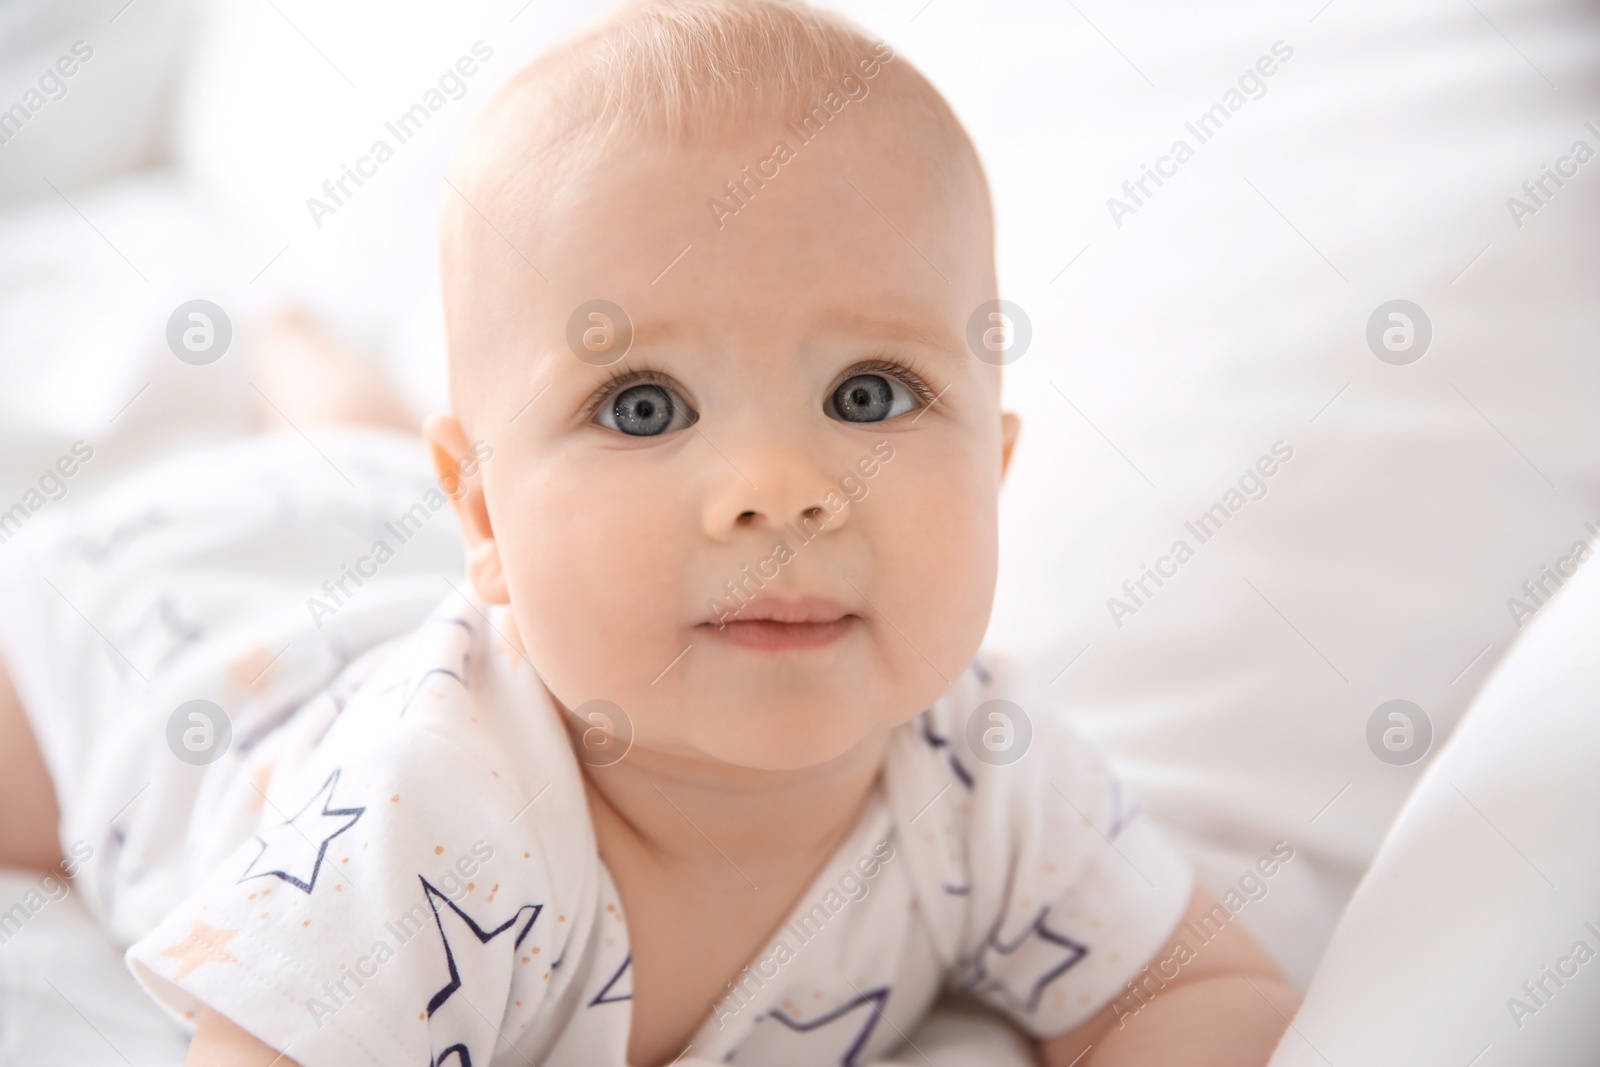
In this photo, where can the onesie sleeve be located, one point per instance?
(388, 910)
(1072, 888)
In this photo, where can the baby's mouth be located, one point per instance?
(775, 624)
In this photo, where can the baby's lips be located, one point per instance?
(767, 607)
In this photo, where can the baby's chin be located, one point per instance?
(776, 735)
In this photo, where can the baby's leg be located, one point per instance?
(309, 375)
(28, 812)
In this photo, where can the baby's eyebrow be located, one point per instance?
(839, 321)
(650, 331)
(891, 328)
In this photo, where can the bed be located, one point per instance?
(1425, 482)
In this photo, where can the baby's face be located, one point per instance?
(768, 532)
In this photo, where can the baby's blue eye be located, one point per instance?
(645, 410)
(870, 398)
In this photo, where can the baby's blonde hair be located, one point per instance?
(686, 67)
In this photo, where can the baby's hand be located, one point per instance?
(219, 1043)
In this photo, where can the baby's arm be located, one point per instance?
(1225, 1007)
(219, 1043)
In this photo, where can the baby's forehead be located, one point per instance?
(630, 164)
(806, 275)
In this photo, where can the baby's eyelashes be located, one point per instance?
(878, 390)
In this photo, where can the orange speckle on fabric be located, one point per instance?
(205, 944)
(338, 888)
(252, 896)
(247, 673)
(536, 950)
(305, 922)
(437, 849)
(527, 959)
(263, 915)
(610, 941)
(395, 799)
(611, 907)
(525, 855)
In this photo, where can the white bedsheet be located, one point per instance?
(65, 996)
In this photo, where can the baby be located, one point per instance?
(701, 763)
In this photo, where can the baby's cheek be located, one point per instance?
(587, 582)
(937, 547)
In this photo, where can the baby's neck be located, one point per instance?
(690, 812)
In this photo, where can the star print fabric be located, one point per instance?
(397, 899)
(1045, 885)
(194, 580)
(426, 887)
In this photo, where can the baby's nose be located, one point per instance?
(769, 491)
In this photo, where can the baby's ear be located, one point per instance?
(461, 476)
(1010, 427)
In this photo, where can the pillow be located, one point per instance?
(1486, 885)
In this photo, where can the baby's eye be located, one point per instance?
(645, 410)
(870, 398)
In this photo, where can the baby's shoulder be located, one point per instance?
(427, 738)
(996, 771)
(1036, 876)
(427, 819)
(1000, 733)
